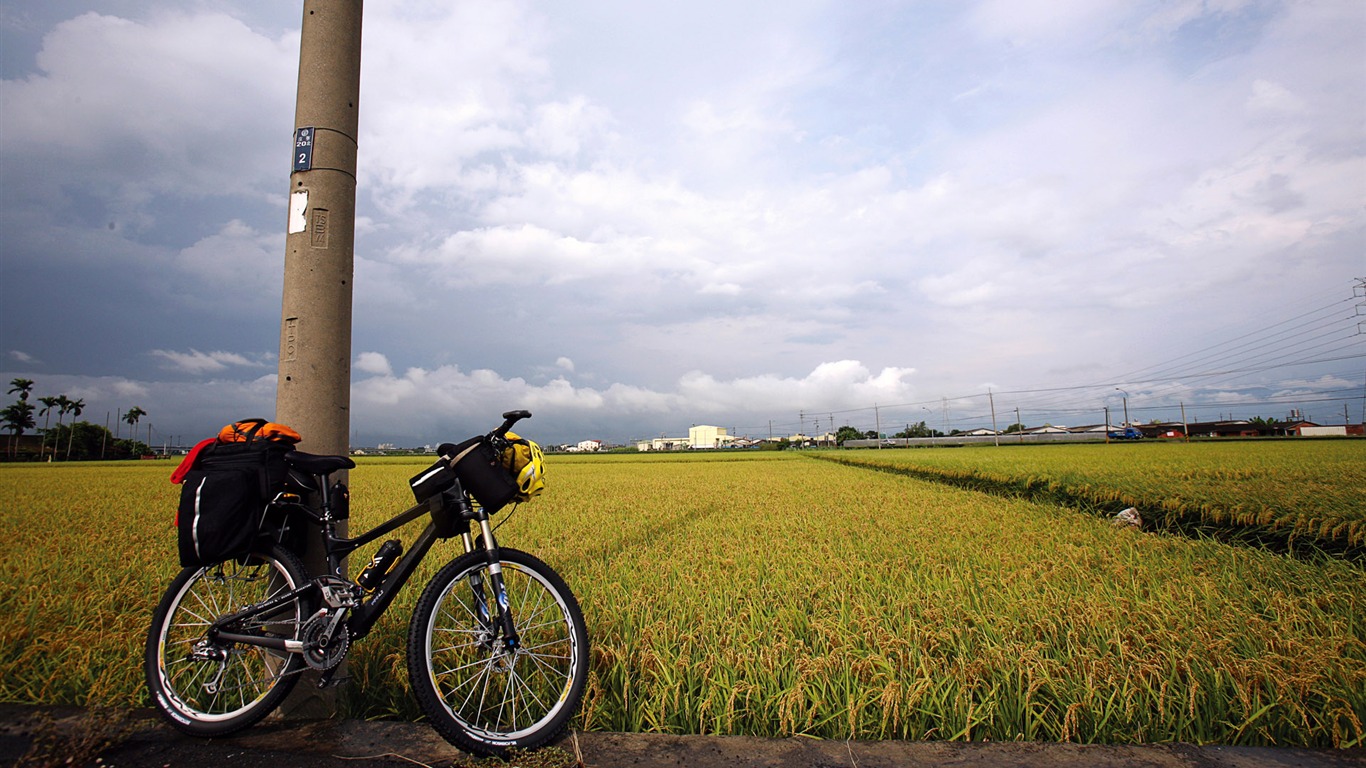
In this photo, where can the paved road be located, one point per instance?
(138, 739)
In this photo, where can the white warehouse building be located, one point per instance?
(705, 436)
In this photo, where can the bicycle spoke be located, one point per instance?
(527, 690)
(482, 692)
(453, 670)
(502, 703)
(247, 680)
(545, 667)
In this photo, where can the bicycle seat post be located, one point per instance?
(328, 507)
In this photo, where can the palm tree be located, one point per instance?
(76, 407)
(22, 386)
(63, 408)
(134, 415)
(17, 417)
(48, 404)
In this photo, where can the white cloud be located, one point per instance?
(1028, 22)
(239, 260)
(373, 363)
(1269, 96)
(168, 119)
(197, 362)
(422, 398)
(441, 86)
(188, 413)
(561, 128)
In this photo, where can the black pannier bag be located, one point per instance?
(223, 499)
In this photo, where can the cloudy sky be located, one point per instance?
(644, 216)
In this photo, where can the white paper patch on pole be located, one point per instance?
(298, 209)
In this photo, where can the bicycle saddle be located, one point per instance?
(317, 464)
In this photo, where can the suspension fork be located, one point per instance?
(477, 594)
(493, 557)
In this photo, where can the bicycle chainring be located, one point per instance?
(322, 657)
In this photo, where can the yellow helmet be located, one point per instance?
(524, 459)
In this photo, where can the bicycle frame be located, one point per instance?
(364, 615)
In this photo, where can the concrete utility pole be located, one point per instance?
(313, 394)
(314, 391)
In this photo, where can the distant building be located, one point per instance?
(1099, 429)
(1314, 431)
(663, 444)
(706, 436)
(809, 440)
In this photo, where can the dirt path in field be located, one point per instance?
(138, 739)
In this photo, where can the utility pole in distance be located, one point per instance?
(313, 393)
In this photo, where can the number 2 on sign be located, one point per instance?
(303, 145)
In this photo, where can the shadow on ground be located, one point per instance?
(64, 736)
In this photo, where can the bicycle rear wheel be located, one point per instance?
(480, 695)
(205, 688)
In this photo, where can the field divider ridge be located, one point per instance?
(1171, 516)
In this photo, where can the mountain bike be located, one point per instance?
(497, 649)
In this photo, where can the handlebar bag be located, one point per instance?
(482, 472)
(223, 499)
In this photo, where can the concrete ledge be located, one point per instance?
(139, 739)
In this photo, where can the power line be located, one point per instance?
(1322, 335)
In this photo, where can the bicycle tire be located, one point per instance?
(204, 696)
(538, 687)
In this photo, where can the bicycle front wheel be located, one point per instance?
(480, 694)
(206, 688)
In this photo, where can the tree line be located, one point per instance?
(919, 429)
(74, 440)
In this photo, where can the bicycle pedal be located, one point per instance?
(333, 682)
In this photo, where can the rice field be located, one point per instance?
(773, 594)
(1296, 492)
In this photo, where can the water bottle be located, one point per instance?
(379, 565)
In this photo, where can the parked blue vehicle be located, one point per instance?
(1128, 433)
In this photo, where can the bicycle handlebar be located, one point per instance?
(510, 418)
(447, 450)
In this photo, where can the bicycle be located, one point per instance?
(497, 649)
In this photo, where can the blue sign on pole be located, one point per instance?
(303, 149)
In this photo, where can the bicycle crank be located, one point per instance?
(325, 640)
